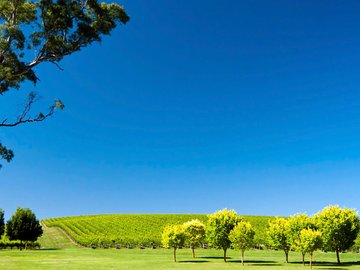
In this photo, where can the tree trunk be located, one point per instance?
(193, 252)
(242, 257)
(311, 254)
(174, 254)
(286, 255)
(26, 245)
(303, 258)
(224, 254)
(337, 256)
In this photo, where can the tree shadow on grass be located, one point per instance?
(335, 268)
(48, 249)
(194, 261)
(322, 263)
(214, 257)
(257, 262)
(336, 264)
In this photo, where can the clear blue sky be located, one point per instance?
(195, 106)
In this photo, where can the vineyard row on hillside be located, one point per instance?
(133, 230)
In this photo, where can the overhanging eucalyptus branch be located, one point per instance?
(24, 117)
(35, 32)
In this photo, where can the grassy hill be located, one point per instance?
(130, 230)
(53, 238)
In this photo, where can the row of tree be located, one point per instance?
(332, 229)
(23, 226)
(191, 233)
(224, 229)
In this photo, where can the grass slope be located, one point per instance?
(131, 229)
(54, 238)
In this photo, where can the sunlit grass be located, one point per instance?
(82, 258)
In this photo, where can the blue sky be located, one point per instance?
(195, 106)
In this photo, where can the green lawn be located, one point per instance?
(59, 253)
(81, 258)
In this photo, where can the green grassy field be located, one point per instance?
(59, 253)
(83, 258)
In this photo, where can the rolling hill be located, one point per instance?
(130, 230)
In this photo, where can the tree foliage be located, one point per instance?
(297, 223)
(35, 32)
(278, 235)
(2, 222)
(339, 228)
(242, 237)
(309, 240)
(173, 237)
(356, 246)
(23, 226)
(59, 28)
(5, 153)
(219, 227)
(195, 234)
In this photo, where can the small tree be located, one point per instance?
(242, 237)
(23, 226)
(173, 237)
(278, 235)
(219, 227)
(339, 228)
(195, 234)
(309, 241)
(296, 224)
(2, 222)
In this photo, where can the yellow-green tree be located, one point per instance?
(278, 235)
(173, 236)
(242, 237)
(357, 244)
(195, 234)
(218, 228)
(296, 224)
(339, 228)
(309, 240)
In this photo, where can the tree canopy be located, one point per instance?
(242, 237)
(173, 237)
(195, 234)
(278, 235)
(309, 240)
(219, 227)
(35, 32)
(297, 223)
(23, 226)
(339, 228)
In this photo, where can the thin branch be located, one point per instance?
(22, 119)
(39, 118)
(56, 64)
